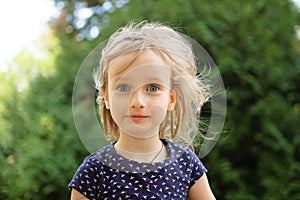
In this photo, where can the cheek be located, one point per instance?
(118, 106)
(118, 100)
(158, 113)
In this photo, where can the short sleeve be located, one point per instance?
(198, 169)
(87, 178)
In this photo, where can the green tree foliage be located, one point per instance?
(252, 42)
(253, 45)
(38, 142)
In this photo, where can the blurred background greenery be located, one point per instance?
(255, 46)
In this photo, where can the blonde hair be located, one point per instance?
(182, 124)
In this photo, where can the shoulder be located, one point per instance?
(186, 159)
(92, 163)
(183, 153)
(95, 160)
(88, 177)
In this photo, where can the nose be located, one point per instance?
(137, 99)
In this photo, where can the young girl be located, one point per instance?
(149, 100)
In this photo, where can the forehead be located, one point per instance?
(144, 64)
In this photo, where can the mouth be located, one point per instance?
(138, 117)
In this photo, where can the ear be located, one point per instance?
(172, 100)
(106, 101)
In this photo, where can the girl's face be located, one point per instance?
(139, 93)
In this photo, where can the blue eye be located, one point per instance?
(122, 88)
(153, 88)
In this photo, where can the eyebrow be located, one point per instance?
(152, 79)
(116, 80)
(155, 79)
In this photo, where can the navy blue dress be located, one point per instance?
(107, 175)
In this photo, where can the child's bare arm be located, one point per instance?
(75, 195)
(201, 190)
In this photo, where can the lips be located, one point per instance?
(138, 117)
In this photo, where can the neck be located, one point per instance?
(138, 145)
